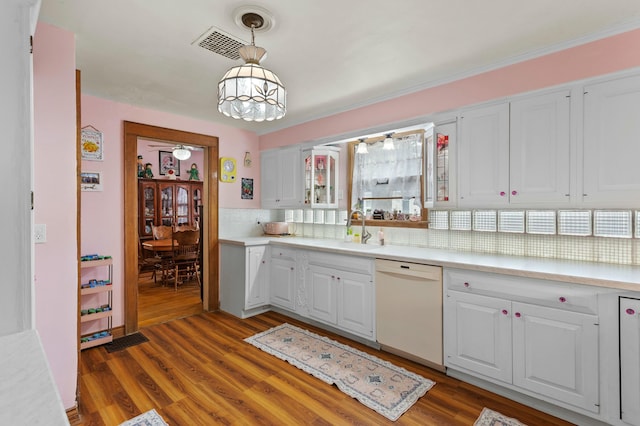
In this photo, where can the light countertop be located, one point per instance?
(29, 395)
(624, 277)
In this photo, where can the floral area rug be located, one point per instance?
(376, 383)
(150, 418)
(493, 418)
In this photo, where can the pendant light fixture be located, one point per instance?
(362, 147)
(388, 142)
(251, 92)
(181, 153)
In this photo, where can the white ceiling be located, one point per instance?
(331, 55)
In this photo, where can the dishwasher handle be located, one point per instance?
(405, 269)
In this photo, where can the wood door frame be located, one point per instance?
(133, 131)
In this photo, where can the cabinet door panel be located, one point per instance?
(630, 360)
(611, 148)
(355, 303)
(291, 171)
(322, 293)
(484, 156)
(478, 334)
(257, 275)
(556, 354)
(269, 187)
(282, 283)
(540, 148)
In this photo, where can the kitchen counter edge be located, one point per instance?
(622, 277)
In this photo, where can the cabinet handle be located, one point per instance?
(333, 277)
(505, 312)
(466, 285)
(518, 314)
(630, 311)
(263, 261)
(562, 299)
(292, 268)
(338, 278)
(514, 192)
(502, 193)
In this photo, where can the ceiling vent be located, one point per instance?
(217, 41)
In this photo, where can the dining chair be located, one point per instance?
(161, 232)
(186, 252)
(148, 262)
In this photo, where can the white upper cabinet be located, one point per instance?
(321, 165)
(540, 149)
(612, 143)
(442, 192)
(516, 153)
(281, 178)
(484, 156)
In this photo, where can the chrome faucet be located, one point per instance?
(365, 234)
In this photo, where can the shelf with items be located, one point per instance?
(321, 166)
(96, 302)
(95, 339)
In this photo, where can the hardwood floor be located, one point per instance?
(198, 370)
(158, 303)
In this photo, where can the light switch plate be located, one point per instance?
(40, 233)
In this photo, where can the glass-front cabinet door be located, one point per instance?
(147, 213)
(196, 203)
(183, 205)
(321, 177)
(167, 196)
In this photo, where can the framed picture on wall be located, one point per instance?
(168, 162)
(246, 189)
(91, 181)
(91, 146)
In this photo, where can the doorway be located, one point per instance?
(133, 131)
(170, 202)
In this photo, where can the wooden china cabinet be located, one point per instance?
(165, 202)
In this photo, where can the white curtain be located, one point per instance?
(390, 173)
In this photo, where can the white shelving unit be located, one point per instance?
(107, 289)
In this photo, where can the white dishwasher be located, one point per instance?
(409, 311)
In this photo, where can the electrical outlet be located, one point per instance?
(40, 233)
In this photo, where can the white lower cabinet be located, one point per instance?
(340, 292)
(630, 360)
(479, 334)
(282, 278)
(244, 279)
(546, 351)
(555, 353)
(257, 291)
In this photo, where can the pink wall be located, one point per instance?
(102, 220)
(149, 150)
(55, 203)
(600, 57)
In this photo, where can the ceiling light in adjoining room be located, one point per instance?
(181, 153)
(251, 92)
(388, 142)
(362, 147)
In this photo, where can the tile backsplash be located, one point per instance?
(243, 223)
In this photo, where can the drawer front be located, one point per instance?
(357, 264)
(283, 253)
(556, 294)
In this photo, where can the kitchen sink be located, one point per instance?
(354, 246)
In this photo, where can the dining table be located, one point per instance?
(164, 249)
(159, 245)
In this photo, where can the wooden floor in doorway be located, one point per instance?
(158, 303)
(198, 371)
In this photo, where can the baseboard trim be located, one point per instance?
(73, 415)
